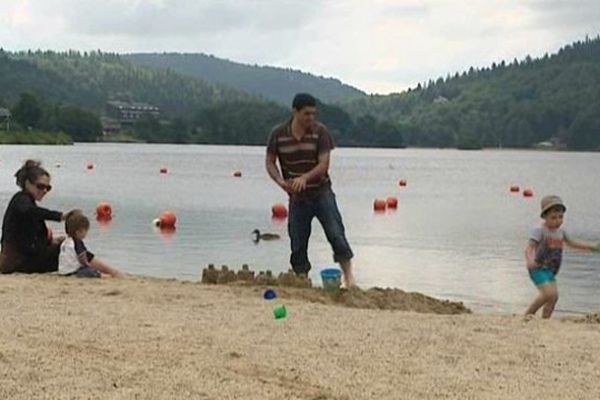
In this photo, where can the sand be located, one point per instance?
(140, 338)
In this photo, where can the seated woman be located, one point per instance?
(25, 243)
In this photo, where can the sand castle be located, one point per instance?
(211, 275)
(300, 287)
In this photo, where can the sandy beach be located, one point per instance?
(144, 338)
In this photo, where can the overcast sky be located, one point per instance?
(380, 46)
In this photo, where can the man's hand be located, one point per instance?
(285, 185)
(298, 184)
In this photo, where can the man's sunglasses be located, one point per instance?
(41, 186)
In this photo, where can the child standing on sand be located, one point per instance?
(74, 258)
(544, 254)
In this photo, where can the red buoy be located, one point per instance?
(167, 220)
(514, 189)
(237, 174)
(402, 182)
(164, 170)
(104, 211)
(279, 211)
(90, 166)
(379, 205)
(527, 193)
(392, 202)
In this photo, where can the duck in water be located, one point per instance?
(264, 236)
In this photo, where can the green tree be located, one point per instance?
(27, 112)
(81, 125)
(148, 128)
(585, 131)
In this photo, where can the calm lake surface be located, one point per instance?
(458, 233)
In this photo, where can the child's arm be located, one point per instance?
(82, 255)
(582, 245)
(530, 254)
(83, 259)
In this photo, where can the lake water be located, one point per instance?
(458, 233)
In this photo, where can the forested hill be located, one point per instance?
(277, 84)
(43, 89)
(555, 98)
(509, 104)
(68, 91)
(90, 79)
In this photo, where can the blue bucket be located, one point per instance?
(269, 294)
(332, 279)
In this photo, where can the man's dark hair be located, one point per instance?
(302, 100)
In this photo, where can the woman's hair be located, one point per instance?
(30, 171)
(74, 221)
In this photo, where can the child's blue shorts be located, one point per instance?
(542, 276)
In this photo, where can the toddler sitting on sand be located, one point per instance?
(74, 258)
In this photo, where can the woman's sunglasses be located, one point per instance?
(41, 186)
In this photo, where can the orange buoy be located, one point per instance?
(402, 182)
(164, 170)
(104, 211)
(392, 202)
(237, 174)
(279, 211)
(90, 166)
(167, 220)
(514, 189)
(527, 193)
(379, 205)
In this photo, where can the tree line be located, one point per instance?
(516, 104)
(509, 104)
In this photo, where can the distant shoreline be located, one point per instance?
(35, 138)
(66, 141)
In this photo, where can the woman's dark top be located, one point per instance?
(24, 225)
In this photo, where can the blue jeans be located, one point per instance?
(302, 212)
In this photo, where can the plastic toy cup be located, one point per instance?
(270, 294)
(279, 312)
(332, 280)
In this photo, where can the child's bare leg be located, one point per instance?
(104, 268)
(551, 293)
(539, 301)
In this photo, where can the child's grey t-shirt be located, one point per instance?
(549, 249)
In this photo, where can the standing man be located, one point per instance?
(303, 147)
